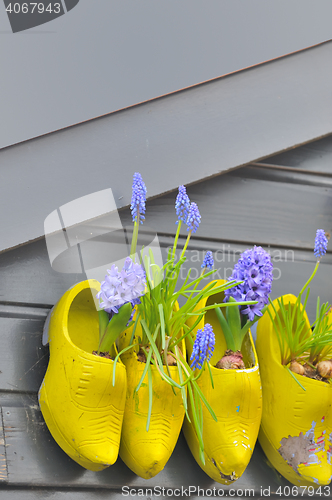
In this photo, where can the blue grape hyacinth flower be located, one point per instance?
(182, 204)
(138, 198)
(320, 243)
(194, 218)
(208, 261)
(203, 347)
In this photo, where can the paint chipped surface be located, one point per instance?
(329, 450)
(301, 449)
(228, 478)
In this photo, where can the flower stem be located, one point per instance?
(311, 277)
(176, 239)
(186, 244)
(135, 235)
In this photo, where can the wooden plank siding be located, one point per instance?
(181, 138)
(278, 209)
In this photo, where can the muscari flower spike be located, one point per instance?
(194, 218)
(121, 287)
(203, 347)
(138, 198)
(208, 261)
(182, 204)
(255, 269)
(320, 243)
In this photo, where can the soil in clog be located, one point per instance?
(170, 360)
(103, 354)
(321, 372)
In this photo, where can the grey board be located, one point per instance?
(35, 466)
(34, 459)
(107, 55)
(179, 139)
(23, 358)
(315, 158)
(238, 209)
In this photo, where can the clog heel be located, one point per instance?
(81, 408)
(236, 400)
(296, 429)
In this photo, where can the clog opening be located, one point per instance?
(220, 345)
(83, 324)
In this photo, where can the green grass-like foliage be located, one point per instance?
(163, 328)
(298, 340)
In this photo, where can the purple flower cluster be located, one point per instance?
(208, 261)
(121, 287)
(182, 204)
(194, 218)
(255, 269)
(187, 212)
(203, 347)
(138, 198)
(320, 243)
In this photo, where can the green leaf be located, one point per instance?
(115, 327)
(203, 398)
(226, 329)
(103, 322)
(134, 329)
(296, 380)
(150, 398)
(162, 326)
(147, 364)
(210, 373)
(156, 353)
(116, 360)
(234, 323)
(196, 422)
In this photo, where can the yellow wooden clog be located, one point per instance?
(146, 453)
(237, 402)
(81, 408)
(296, 430)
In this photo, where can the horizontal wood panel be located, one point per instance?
(34, 458)
(23, 358)
(236, 207)
(239, 210)
(178, 139)
(33, 493)
(26, 282)
(278, 209)
(3, 456)
(315, 157)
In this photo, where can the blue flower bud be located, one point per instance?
(208, 261)
(138, 198)
(320, 243)
(203, 347)
(182, 204)
(194, 218)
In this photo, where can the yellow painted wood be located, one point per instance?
(296, 429)
(81, 408)
(147, 452)
(237, 402)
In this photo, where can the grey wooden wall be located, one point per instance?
(278, 204)
(180, 138)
